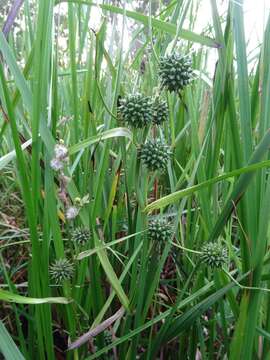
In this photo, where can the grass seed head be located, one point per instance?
(154, 155)
(159, 230)
(136, 110)
(214, 255)
(160, 111)
(80, 236)
(61, 270)
(175, 72)
(107, 337)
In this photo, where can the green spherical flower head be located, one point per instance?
(80, 236)
(159, 230)
(160, 111)
(154, 155)
(136, 110)
(175, 72)
(61, 270)
(214, 255)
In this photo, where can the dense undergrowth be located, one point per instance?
(134, 184)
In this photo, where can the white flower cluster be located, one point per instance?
(57, 163)
(60, 156)
(72, 212)
(65, 120)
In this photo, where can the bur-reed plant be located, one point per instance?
(134, 182)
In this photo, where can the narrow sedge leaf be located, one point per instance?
(19, 299)
(184, 321)
(158, 24)
(111, 198)
(18, 76)
(240, 329)
(7, 345)
(107, 267)
(108, 134)
(107, 304)
(240, 187)
(176, 196)
(91, 252)
(6, 159)
(191, 314)
(26, 94)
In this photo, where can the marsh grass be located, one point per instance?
(130, 296)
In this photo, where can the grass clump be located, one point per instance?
(126, 182)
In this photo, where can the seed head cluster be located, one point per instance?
(136, 110)
(159, 230)
(160, 111)
(61, 270)
(154, 155)
(80, 236)
(214, 255)
(175, 72)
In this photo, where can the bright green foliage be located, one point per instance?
(175, 72)
(155, 155)
(91, 178)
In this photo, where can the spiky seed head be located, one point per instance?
(136, 110)
(214, 255)
(107, 337)
(154, 155)
(61, 270)
(175, 72)
(160, 111)
(80, 236)
(159, 230)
